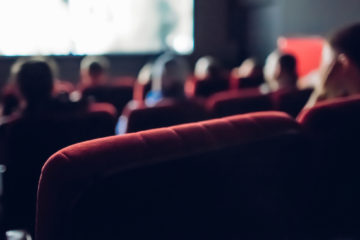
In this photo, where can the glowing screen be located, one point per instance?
(77, 27)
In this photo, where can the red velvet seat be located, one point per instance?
(26, 143)
(228, 178)
(236, 102)
(137, 116)
(291, 101)
(335, 128)
(118, 96)
(141, 90)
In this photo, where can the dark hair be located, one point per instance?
(35, 81)
(288, 63)
(95, 69)
(347, 40)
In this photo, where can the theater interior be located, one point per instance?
(179, 119)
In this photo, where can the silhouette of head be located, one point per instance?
(35, 81)
(169, 76)
(340, 68)
(207, 67)
(248, 68)
(94, 70)
(280, 71)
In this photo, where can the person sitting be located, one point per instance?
(280, 72)
(94, 71)
(340, 68)
(248, 75)
(169, 75)
(143, 82)
(34, 81)
(209, 78)
(166, 104)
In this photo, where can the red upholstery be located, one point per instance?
(204, 179)
(140, 91)
(28, 141)
(137, 116)
(237, 102)
(291, 101)
(119, 96)
(334, 127)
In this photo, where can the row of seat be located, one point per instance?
(252, 176)
(138, 116)
(30, 141)
(119, 94)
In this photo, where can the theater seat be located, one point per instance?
(209, 86)
(334, 127)
(231, 178)
(26, 143)
(137, 116)
(236, 102)
(246, 82)
(291, 101)
(118, 96)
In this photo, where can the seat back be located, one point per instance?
(237, 102)
(247, 82)
(335, 128)
(166, 114)
(26, 143)
(204, 180)
(291, 101)
(208, 87)
(118, 96)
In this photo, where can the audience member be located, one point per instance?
(169, 75)
(94, 71)
(248, 75)
(143, 82)
(340, 69)
(208, 68)
(209, 78)
(34, 81)
(280, 72)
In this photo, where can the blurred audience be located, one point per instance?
(209, 78)
(143, 82)
(340, 68)
(35, 83)
(280, 72)
(31, 90)
(208, 67)
(169, 75)
(94, 71)
(248, 75)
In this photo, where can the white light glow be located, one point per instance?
(59, 27)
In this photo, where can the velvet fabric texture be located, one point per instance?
(231, 178)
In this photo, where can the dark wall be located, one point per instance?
(318, 16)
(272, 18)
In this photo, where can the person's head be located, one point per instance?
(248, 68)
(340, 69)
(169, 75)
(35, 81)
(94, 70)
(280, 70)
(207, 67)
